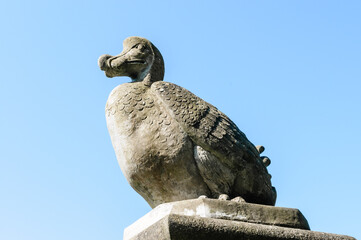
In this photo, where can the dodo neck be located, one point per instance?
(156, 71)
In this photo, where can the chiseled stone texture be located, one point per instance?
(172, 145)
(216, 219)
(177, 227)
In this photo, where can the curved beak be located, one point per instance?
(102, 62)
(128, 63)
(112, 65)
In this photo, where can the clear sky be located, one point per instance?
(286, 72)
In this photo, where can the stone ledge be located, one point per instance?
(227, 210)
(178, 227)
(216, 219)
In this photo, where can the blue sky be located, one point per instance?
(286, 72)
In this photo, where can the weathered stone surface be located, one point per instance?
(178, 227)
(222, 209)
(221, 219)
(170, 144)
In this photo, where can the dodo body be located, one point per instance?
(170, 144)
(151, 147)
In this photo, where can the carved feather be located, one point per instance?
(206, 125)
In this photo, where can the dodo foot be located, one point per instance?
(223, 197)
(238, 199)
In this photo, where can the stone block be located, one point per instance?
(215, 219)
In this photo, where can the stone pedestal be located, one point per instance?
(216, 219)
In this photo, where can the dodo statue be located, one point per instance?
(170, 144)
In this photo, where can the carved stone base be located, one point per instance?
(216, 219)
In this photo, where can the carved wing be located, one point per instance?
(207, 126)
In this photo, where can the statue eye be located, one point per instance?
(141, 47)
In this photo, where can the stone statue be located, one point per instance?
(170, 144)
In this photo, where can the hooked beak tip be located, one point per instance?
(102, 62)
(108, 75)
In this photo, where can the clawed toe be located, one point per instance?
(202, 197)
(238, 199)
(223, 197)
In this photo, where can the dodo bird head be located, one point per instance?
(140, 60)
